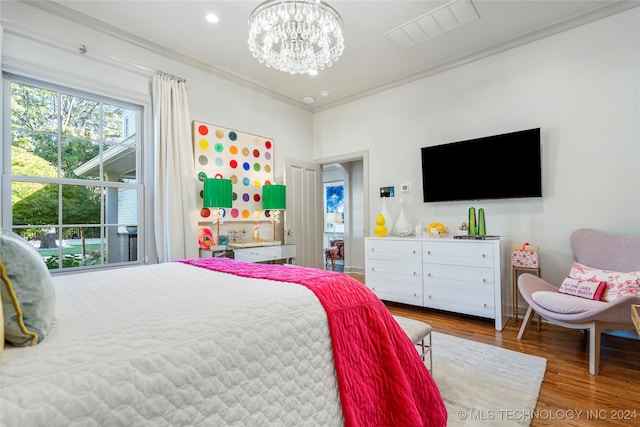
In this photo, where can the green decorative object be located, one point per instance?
(482, 229)
(380, 230)
(472, 221)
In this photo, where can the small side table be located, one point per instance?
(515, 272)
(635, 315)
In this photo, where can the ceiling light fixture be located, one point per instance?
(296, 36)
(212, 17)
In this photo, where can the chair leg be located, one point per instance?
(595, 332)
(526, 321)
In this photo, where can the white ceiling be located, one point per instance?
(372, 61)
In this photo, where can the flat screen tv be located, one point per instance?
(502, 166)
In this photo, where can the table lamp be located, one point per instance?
(218, 196)
(334, 218)
(274, 199)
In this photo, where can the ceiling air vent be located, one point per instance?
(440, 20)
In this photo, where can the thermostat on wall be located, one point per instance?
(405, 188)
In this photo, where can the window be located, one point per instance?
(72, 172)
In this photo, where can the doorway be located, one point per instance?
(352, 171)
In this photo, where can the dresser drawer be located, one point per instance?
(404, 287)
(463, 289)
(461, 275)
(476, 302)
(395, 250)
(478, 254)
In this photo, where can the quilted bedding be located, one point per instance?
(382, 380)
(174, 344)
(123, 351)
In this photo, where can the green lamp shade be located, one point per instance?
(274, 197)
(217, 193)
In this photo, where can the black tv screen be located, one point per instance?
(494, 167)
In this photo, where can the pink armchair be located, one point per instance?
(594, 249)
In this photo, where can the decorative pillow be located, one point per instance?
(583, 288)
(26, 290)
(618, 284)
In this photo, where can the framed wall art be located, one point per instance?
(244, 158)
(334, 203)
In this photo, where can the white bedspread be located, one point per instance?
(174, 345)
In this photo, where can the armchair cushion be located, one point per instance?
(565, 304)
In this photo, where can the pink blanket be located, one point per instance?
(381, 377)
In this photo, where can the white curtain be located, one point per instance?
(175, 209)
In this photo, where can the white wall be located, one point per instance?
(580, 87)
(45, 47)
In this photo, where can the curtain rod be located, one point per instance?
(82, 49)
(171, 76)
(10, 27)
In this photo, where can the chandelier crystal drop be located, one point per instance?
(296, 36)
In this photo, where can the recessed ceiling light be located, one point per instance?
(212, 17)
(324, 93)
(308, 100)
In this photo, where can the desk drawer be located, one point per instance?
(258, 254)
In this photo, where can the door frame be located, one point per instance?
(351, 254)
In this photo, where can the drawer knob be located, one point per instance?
(429, 296)
(484, 255)
(428, 274)
(428, 252)
(484, 280)
(484, 305)
(415, 295)
(415, 274)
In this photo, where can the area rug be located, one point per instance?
(487, 385)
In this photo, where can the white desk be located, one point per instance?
(260, 251)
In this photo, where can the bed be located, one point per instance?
(217, 342)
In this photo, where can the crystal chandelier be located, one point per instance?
(296, 36)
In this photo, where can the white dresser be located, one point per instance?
(462, 276)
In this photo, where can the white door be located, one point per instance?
(303, 218)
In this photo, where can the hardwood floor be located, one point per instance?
(569, 395)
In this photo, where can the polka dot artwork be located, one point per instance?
(245, 159)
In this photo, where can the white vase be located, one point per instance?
(388, 219)
(402, 227)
